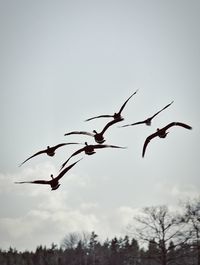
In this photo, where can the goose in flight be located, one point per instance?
(148, 120)
(97, 136)
(162, 133)
(116, 115)
(50, 151)
(90, 150)
(54, 182)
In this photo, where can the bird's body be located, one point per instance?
(99, 138)
(54, 182)
(148, 120)
(162, 133)
(90, 150)
(116, 115)
(50, 151)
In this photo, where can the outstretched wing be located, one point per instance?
(38, 153)
(75, 153)
(106, 145)
(135, 123)
(100, 116)
(161, 110)
(148, 119)
(122, 107)
(34, 182)
(148, 139)
(111, 116)
(62, 173)
(186, 126)
(62, 144)
(183, 125)
(79, 132)
(109, 124)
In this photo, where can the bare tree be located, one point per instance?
(71, 240)
(158, 225)
(192, 218)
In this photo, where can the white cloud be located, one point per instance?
(53, 214)
(50, 216)
(40, 171)
(174, 192)
(184, 192)
(44, 226)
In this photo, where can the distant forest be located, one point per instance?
(170, 239)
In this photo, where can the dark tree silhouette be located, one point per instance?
(157, 226)
(79, 250)
(192, 218)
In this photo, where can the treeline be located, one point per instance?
(170, 239)
(117, 251)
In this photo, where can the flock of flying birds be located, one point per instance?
(89, 149)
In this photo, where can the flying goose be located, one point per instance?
(116, 115)
(148, 120)
(50, 151)
(162, 133)
(54, 182)
(90, 150)
(97, 136)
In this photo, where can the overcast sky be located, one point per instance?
(65, 61)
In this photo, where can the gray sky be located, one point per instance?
(65, 61)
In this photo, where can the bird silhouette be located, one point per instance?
(99, 138)
(54, 182)
(162, 133)
(148, 120)
(50, 151)
(116, 115)
(90, 150)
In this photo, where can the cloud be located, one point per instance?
(173, 192)
(47, 216)
(184, 192)
(53, 215)
(40, 171)
(43, 227)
